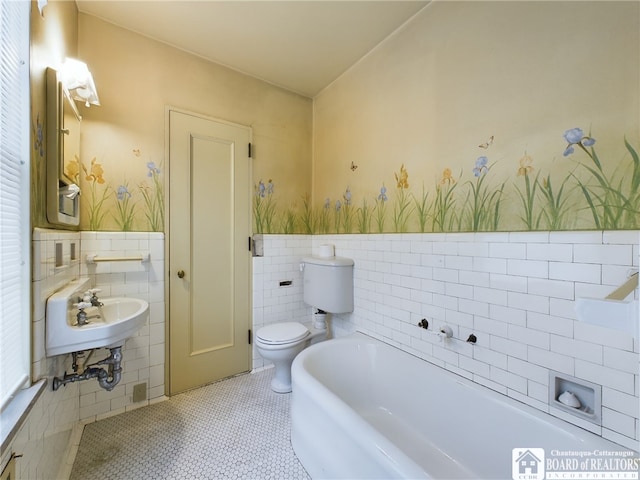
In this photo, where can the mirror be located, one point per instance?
(63, 154)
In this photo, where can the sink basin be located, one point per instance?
(108, 325)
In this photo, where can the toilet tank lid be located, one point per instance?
(329, 261)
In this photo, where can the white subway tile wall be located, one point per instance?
(273, 302)
(515, 291)
(143, 354)
(45, 438)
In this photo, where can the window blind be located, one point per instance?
(14, 198)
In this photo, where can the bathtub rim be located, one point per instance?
(360, 336)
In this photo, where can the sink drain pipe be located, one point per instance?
(107, 379)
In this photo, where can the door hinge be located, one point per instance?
(249, 243)
(250, 150)
(249, 336)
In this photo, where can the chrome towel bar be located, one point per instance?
(93, 258)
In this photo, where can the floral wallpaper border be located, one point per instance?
(608, 192)
(587, 192)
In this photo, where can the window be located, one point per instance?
(14, 198)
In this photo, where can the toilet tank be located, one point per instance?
(328, 283)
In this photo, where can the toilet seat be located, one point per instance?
(282, 333)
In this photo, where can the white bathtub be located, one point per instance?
(363, 409)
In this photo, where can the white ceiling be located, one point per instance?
(301, 45)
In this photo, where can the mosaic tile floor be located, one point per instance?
(234, 429)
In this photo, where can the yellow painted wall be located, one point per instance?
(466, 88)
(462, 73)
(137, 78)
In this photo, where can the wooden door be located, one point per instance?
(209, 258)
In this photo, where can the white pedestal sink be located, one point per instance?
(108, 325)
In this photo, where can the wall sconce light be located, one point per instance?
(77, 79)
(41, 5)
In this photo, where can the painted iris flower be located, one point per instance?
(526, 166)
(575, 136)
(347, 197)
(481, 166)
(123, 193)
(96, 172)
(402, 178)
(383, 194)
(153, 169)
(327, 203)
(72, 168)
(38, 134)
(263, 190)
(447, 177)
(338, 205)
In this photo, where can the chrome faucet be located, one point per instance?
(81, 316)
(93, 297)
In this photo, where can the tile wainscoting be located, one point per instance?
(143, 354)
(51, 431)
(515, 291)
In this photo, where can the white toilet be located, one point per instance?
(327, 286)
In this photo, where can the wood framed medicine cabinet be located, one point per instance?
(63, 154)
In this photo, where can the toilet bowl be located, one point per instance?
(328, 287)
(279, 343)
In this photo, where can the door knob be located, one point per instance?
(180, 273)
